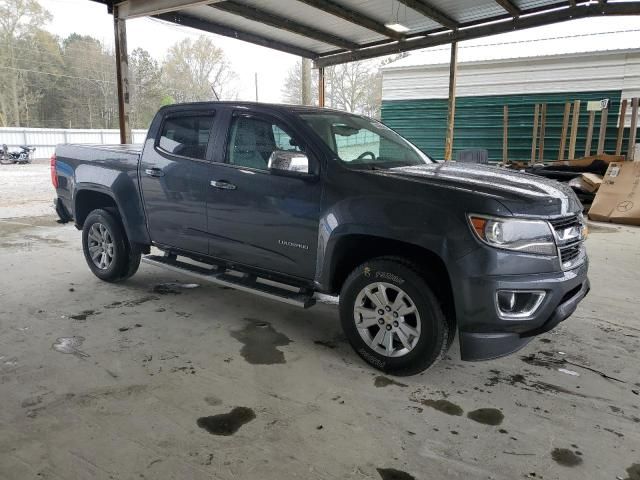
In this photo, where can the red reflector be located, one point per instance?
(54, 175)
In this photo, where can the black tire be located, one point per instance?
(124, 261)
(133, 263)
(433, 339)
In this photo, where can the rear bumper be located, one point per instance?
(484, 336)
(61, 210)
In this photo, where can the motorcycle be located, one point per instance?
(24, 155)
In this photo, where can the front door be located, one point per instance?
(174, 175)
(255, 217)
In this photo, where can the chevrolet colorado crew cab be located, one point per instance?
(287, 201)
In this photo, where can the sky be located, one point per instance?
(90, 18)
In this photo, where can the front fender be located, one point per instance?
(431, 227)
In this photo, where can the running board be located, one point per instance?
(221, 277)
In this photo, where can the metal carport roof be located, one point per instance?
(339, 31)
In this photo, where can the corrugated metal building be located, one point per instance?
(518, 74)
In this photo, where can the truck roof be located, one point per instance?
(284, 107)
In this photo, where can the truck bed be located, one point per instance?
(129, 148)
(119, 157)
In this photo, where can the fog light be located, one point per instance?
(518, 303)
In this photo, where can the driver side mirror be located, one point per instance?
(294, 164)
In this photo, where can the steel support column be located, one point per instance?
(307, 95)
(453, 73)
(321, 86)
(122, 75)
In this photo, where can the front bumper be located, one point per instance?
(484, 335)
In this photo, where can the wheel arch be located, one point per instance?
(352, 250)
(86, 200)
(91, 197)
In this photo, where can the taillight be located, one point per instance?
(54, 175)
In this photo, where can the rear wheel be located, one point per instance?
(106, 247)
(392, 318)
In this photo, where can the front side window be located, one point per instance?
(359, 141)
(187, 136)
(253, 140)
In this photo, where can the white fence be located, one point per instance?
(46, 139)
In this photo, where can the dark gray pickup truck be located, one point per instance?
(287, 201)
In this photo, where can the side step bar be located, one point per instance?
(247, 283)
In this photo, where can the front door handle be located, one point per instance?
(223, 184)
(154, 172)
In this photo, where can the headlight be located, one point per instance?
(527, 236)
(585, 227)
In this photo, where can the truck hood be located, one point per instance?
(522, 193)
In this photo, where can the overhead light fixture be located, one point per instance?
(397, 27)
(394, 20)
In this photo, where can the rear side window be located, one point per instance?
(186, 136)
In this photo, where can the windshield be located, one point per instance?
(363, 142)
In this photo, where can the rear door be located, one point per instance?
(174, 178)
(255, 217)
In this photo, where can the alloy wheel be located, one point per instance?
(101, 246)
(387, 319)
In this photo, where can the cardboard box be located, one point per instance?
(590, 182)
(618, 198)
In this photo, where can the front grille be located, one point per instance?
(568, 232)
(565, 222)
(570, 252)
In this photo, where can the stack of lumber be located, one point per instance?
(604, 183)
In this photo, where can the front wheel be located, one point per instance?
(392, 318)
(106, 247)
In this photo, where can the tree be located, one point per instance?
(42, 74)
(145, 88)
(198, 70)
(18, 20)
(46, 81)
(354, 87)
(90, 95)
(292, 88)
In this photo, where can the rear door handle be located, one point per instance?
(223, 185)
(154, 172)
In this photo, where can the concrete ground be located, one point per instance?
(25, 190)
(149, 380)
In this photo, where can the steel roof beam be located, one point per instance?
(430, 12)
(143, 8)
(513, 10)
(352, 16)
(251, 13)
(523, 22)
(212, 27)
